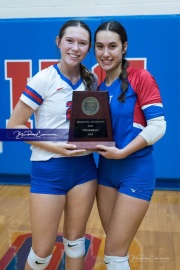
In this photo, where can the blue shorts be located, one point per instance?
(59, 175)
(132, 176)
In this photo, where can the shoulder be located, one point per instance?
(45, 76)
(144, 85)
(138, 73)
(44, 80)
(140, 78)
(45, 72)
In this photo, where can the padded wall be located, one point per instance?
(27, 45)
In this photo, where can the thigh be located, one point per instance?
(78, 206)
(139, 178)
(127, 215)
(46, 211)
(132, 176)
(105, 201)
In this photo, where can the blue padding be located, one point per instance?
(155, 38)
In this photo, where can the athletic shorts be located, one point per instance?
(133, 176)
(58, 175)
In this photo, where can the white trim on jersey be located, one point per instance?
(153, 104)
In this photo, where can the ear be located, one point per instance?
(57, 41)
(125, 45)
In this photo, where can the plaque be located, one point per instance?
(90, 122)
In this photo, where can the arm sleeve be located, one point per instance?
(154, 130)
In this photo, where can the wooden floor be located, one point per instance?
(155, 247)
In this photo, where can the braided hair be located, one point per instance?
(116, 27)
(88, 78)
(123, 76)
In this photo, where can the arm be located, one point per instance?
(20, 116)
(150, 102)
(154, 130)
(115, 153)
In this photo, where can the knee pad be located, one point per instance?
(37, 263)
(116, 262)
(74, 249)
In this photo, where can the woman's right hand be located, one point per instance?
(65, 149)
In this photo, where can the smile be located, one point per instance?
(73, 56)
(106, 62)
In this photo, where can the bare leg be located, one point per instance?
(106, 197)
(46, 211)
(127, 215)
(121, 216)
(77, 210)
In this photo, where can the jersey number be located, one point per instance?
(68, 111)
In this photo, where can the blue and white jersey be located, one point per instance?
(49, 93)
(142, 102)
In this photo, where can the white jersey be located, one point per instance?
(49, 93)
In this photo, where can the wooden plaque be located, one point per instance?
(90, 122)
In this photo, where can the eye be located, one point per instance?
(113, 46)
(69, 40)
(99, 46)
(83, 43)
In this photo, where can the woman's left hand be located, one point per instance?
(110, 152)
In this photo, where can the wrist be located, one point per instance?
(122, 153)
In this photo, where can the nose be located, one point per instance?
(75, 46)
(106, 52)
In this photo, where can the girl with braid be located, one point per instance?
(126, 172)
(63, 178)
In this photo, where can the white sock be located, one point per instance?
(116, 262)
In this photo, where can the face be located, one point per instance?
(74, 45)
(109, 50)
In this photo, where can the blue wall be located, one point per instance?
(153, 37)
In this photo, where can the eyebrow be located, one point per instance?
(113, 42)
(73, 38)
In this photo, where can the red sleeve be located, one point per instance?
(144, 86)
